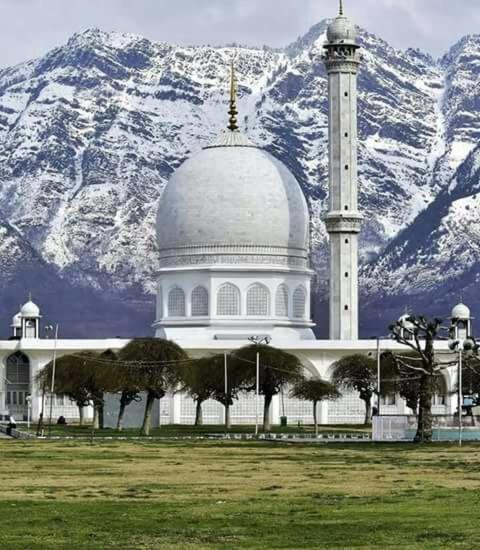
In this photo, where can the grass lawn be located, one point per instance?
(126, 494)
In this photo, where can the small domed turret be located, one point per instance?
(17, 321)
(30, 309)
(405, 322)
(461, 322)
(30, 320)
(461, 312)
(342, 29)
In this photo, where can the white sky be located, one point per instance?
(31, 27)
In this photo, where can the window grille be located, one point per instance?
(200, 302)
(176, 302)
(18, 369)
(281, 301)
(258, 300)
(228, 300)
(299, 303)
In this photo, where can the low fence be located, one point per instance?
(404, 428)
(16, 434)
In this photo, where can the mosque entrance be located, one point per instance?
(17, 385)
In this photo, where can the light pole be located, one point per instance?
(462, 346)
(379, 364)
(28, 399)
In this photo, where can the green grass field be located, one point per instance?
(125, 494)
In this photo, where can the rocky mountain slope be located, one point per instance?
(91, 132)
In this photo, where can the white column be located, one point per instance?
(3, 387)
(175, 408)
(323, 413)
(275, 410)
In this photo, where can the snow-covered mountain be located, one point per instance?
(91, 132)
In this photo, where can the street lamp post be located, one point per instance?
(379, 363)
(460, 395)
(467, 345)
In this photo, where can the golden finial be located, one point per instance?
(341, 7)
(233, 112)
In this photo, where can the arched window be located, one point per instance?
(200, 302)
(258, 300)
(299, 303)
(176, 302)
(281, 301)
(17, 384)
(228, 300)
(18, 369)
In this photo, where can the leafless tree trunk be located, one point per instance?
(147, 419)
(199, 413)
(121, 414)
(315, 421)
(424, 427)
(266, 413)
(96, 417)
(228, 419)
(368, 411)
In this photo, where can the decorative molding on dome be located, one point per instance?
(228, 248)
(234, 254)
(234, 259)
(231, 138)
(227, 254)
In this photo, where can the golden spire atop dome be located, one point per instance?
(233, 112)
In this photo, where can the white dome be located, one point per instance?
(342, 30)
(233, 203)
(405, 322)
(461, 311)
(17, 320)
(30, 310)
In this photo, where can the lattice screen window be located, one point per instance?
(18, 369)
(228, 300)
(258, 301)
(281, 301)
(299, 303)
(200, 302)
(176, 302)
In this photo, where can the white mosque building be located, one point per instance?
(233, 240)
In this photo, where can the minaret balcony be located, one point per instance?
(343, 222)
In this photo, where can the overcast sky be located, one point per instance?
(31, 27)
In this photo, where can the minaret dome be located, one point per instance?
(342, 30)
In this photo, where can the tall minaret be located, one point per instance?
(343, 220)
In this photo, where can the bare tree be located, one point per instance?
(419, 335)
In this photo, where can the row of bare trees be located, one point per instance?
(154, 367)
